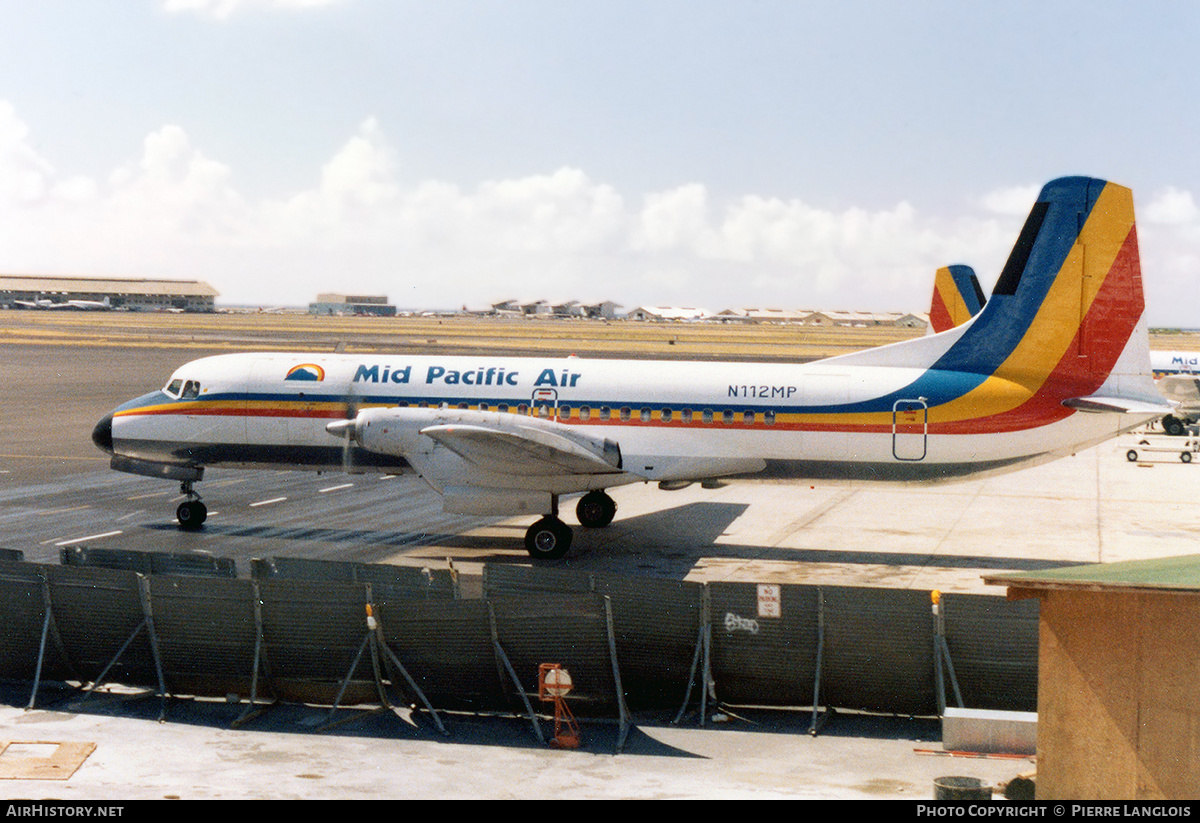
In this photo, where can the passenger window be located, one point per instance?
(769, 418)
(585, 412)
(666, 415)
(748, 418)
(707, 415)
(605, 413)
(686, 416)
(625, 414)
(727, 416)
(646, 415)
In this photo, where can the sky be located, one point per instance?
(704, 153)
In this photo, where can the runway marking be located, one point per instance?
(335, 488)
(89, 537)
(149, 494)
(268, 502)
(64, 510)
(47, 457)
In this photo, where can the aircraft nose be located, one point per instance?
(102, 434)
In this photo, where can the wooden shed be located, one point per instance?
(1118, 678)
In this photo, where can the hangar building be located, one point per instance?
(352, 304)
(22, 290)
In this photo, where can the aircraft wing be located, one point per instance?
(490, 442)
(522, 451)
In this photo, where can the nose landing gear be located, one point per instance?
(192, 512)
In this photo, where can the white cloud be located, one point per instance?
(359, 227)
(24, 175)
(355, 195)
(1172, 207)
(1012, 201)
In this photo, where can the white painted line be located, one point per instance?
(63, 511)
(336, 488)
(89, 537)
(268, 502)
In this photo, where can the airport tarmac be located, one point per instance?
(56, 491)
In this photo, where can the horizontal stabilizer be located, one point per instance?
(1098, 403)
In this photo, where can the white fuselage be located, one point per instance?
(673, 420)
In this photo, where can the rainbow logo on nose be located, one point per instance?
(306, 371)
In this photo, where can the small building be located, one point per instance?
(764, 315)
(667, 313)
(41, 291)
(604, 310)
(352, 305)
(1118, 678)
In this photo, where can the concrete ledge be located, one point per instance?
(991, 732)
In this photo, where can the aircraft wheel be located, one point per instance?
(596, 510)
(1131, 456)
(548, 539)
(191, 515)
(1186, 457)
(1172, 426)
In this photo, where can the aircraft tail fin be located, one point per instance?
(1063, 324)
(957, 297)
(1065, 316)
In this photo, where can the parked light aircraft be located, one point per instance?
(1056, 361)
(76, 305)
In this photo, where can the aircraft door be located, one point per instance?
(910, 429)
(544, 404)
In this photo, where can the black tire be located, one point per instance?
(191, 515)
(1186, 457)
(1173, 426)
(595, 510)
(548, 539)
(1131, 456)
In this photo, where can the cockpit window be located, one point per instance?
(173, 388)
(191, 390)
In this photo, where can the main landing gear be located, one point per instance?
(192, 512)
(550, 538)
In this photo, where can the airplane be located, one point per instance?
(76, 305)
(1174, 362)
(36, 303)
(90, 305)
(1056, 361)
